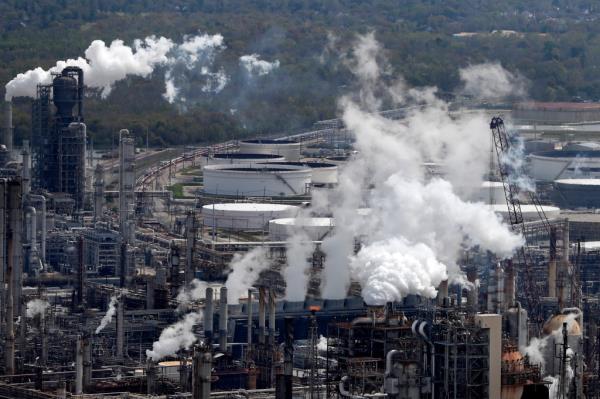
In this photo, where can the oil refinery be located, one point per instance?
(265, 268)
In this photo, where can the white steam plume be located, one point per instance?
(104, 65)
(175, 337)
(36, 307)
(299, 249)
(110, 312)
(417, 228)
(257, 67)
(490, 81)
(322, 344)
(245, 269)
(196, 291)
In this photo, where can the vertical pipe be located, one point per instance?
(223, 315)
(509, 286)
(120, 328)
(81, 274)
(552, 264)
(79, 366)
(190, 235)
(261, 314)
(43, 338)
(249, 311)
(473, 294)
(208, 316)
(564, 265)
(150, 377)
(26, 169)
(283, 389)
(271, 317)
(98, 193)
(8, 126)
(201, 373)
(87, 362)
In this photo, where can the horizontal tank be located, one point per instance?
(239, 157)
(530, 212)
(254, 180)
(323, 173)
(288, 149)
(578, 193)
(553, 165)
(245, 216)
(316, 229)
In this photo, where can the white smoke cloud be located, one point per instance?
(245, 269)
(196, 291)
(36, 307)
(175, 337)
(299, 249)
(490, 81)
(322, 344)
(257, 67)
(110, 312)
(104, 65)
(417, 228)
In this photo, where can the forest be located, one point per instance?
(554, 44)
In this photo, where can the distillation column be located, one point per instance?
(98, 193)
(126, 185)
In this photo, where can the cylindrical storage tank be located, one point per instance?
(490, 192)
(579, 193)
(254, 180)
(530, 212)
(245, 216)
(322, 173)
(553, 165)
(316, 229)
(288, 149)
(239, 157)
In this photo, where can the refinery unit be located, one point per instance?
(123, 290)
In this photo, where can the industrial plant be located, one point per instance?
(265, 268)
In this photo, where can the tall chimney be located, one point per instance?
(249, 311)
(208, 316)
(509, 286)
(223, 319)
(8, 127)
(26, 170)
(271, 317)
(150, 377)
(87, 362)
(190, 236)
(98, 193)
(126, 185)
(120, 328)
(201, 373)
(261, 315)
(79, 366)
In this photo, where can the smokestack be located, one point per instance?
(249, 310)
(98, 192)
(283, 389)
(552, 264)
(509, 286)
(150, 377)
(183, 373)
(223, 315)
(208, 316)
(190, 235)
(126, 185)
(79, 366)
(271, 317)
(201, 373)
(261, 315)
(473, 294)
(120, 328)
(87, 363)
(8, 127)
(26, 170)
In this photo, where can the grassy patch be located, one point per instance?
(177, 189)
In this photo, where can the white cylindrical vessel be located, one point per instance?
(239, 157)
(288, 149)
(316, 229)
(245, 216)
(529, 212)
(257, 180)
(323, 173)
(552, 165)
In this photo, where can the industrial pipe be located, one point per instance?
(261, 315)
(79, 366)
(249, 311)
(8, 127)
(120, 328)
(208, 315)
(272, 317)
(42, 200)
(223, 315)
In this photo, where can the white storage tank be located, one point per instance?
(323, 173)
(240, 157)
(315, 228)
(529, 212)
(553, 165)
(288, 149)
(257, 180)
(245, 216)
(490, 190)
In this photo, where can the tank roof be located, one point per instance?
(579, 182)
(248, 206)
(269, 141)
(240, 155)
(567, 154)
(313, 222)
